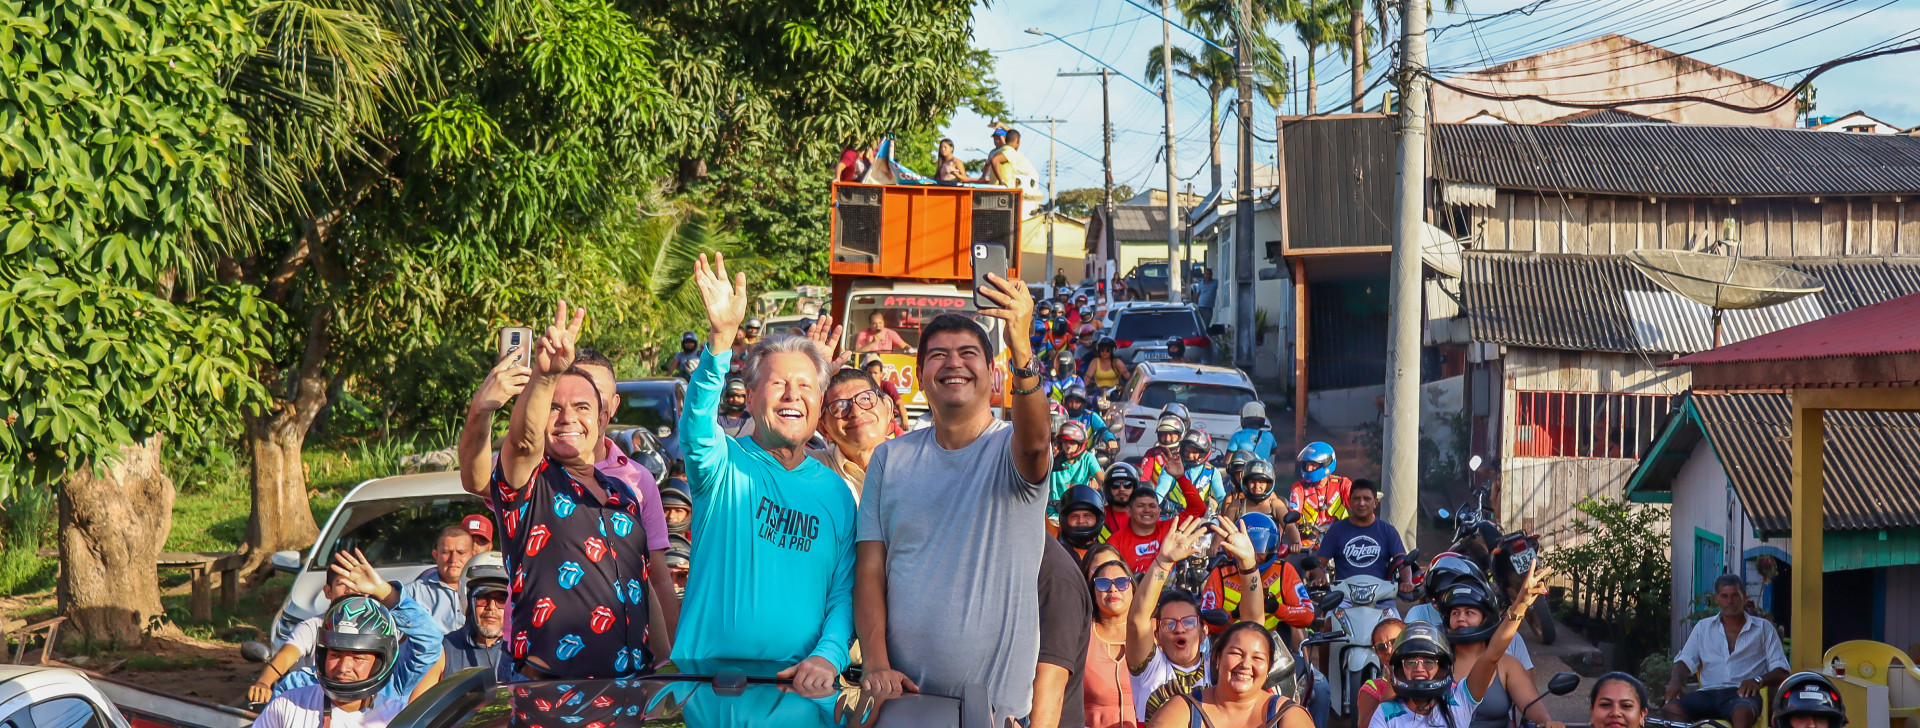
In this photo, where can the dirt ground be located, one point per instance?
(172, 661)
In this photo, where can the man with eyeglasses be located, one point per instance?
(856, 418)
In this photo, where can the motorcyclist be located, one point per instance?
(1319, 495)
(1254, 494)
(1081, 511)
(1042, 324)
(1063, 376)
(679, 561)
(1077, 402)
(1444, 571)
(688, 357)
(1073, 464)
(678, 507)
(1426, 684)
(1176, 351)
(1472, 608)
(1808, 700)
(1164, 456)
(1121, 479)
(1255, 434)
(478, 642)
(1195, 446)
(364, 677)
(733, 417)
(1104, 367)
(1362, 544)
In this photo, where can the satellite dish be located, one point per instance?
(1723, 282)
(1440, 250)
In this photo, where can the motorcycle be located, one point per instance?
(1365, 601)
(1514, 554)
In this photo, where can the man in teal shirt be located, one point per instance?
(773, 528)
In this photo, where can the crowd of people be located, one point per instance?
(806, 530)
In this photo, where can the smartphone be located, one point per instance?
(987, 258)
(519, 340)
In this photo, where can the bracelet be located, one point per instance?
(1511, 617)
(1017, 391)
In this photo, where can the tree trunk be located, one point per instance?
(281, 519)
(1357, 27)
(1313, 87)
(1213, 133)
(114, 520)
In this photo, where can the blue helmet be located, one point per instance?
(1315, 462)
(1265, 535)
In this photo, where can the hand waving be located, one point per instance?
(554, 351)
(1234, 539)
(361, 576)
(1179, 543)
(726, 301)
(827, 335)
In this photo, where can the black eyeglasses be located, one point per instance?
(1118, 583)
(842, 407)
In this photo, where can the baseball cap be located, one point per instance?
(479, 526)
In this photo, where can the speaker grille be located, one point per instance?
(993, 217)
(857, 234)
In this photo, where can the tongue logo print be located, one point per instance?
(602, 619)
(570, 573)
(620, 661)
(562, 505)
(520, 645)
(602, 702)
(537, 539)
(595, 548)
(543, 705)
(630, 593)
(513, 521)
(542, 611)
(569, 646)
(622, 524)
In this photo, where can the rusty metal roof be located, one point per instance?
(1870, 459)
(1676, 160)
(1134, 223)
(1889, 327)
(1600, 303)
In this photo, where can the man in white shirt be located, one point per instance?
(1735, 654)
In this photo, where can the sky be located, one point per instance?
(1776, 40)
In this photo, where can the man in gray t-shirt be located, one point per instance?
(953, 521)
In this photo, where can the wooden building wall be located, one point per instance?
(1339, 181)
(1539, 494)
(1768, 227)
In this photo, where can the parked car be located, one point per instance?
(1140, 332)
(1149, 281)
(1213, 395)
(741, 694)
(653, 403)
(57, 697)
(394, 521)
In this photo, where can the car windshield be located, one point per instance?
(648, 405)
(395, 531)
(905, 313)
(1212, 399)
(1138, 325)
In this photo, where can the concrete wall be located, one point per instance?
(1610, 68)
(1069, 248)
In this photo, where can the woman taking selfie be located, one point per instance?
(1471, 611)
(1238, 697)
(1109, 690)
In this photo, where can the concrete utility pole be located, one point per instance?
(1401, 471)
(1107, 256)
(1243, 333)
(1053, 203)
(1174, 223)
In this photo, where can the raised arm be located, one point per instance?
(702, 441)
(1484, 671)
(1177, 545)
(504, 382)
(526, 440)
(1233, 537)
(1032, 425)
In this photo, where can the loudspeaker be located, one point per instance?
(856, 230)
(996, 217)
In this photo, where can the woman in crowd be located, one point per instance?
(1108, 687)
(1429, 690)
(1165, 636)
(947, 167)
(1238, 697)
(1104, 370)
(1471, 611)
(1619, 701)
(1379, 689)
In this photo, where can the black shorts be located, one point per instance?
(1718, 703)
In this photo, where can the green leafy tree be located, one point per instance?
(1618, 559)
(114, 145)
(1316, 23)
(1080, 202)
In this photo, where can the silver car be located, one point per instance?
(1213, 395)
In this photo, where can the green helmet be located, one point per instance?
(357, 624)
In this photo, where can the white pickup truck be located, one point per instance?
(57, 697)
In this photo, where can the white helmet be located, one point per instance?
(1253, 409)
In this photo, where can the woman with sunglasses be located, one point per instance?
(1379, 689)
(1428, 691)
(1109, 689)
(1239, 697)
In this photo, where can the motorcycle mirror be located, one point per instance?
(1563, 683)
(1216, 617)
(1291, 518)
(1327, 602)
(252, 651)
(1473, 464)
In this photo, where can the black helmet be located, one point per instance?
(1081, 498)
(734, 386)
(357, 624)
(1060, 327)
(1077, 391)
(1044, 306)
(1176, 344)
(1421, 639)
(1256, 468)
(1105, 343)
(1450, 568)
(1123, 472)
(679, 551)
(1807, 693)
(1063, 357)
(1475, 594)
(689, 338)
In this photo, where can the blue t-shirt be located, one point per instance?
(1259, 442)
(1355, 550)
(1079, 471)
(774, 580)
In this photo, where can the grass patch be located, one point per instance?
(26, 524)
(165, 663)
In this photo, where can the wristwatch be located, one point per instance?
(1032, 369)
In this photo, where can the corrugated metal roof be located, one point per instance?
(1600, 303)
(1888, 327)
(1606, 116)
(1141, 222)
(1871, 458)
(1682, 160)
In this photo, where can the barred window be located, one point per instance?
(1586, 424)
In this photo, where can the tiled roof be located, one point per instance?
(1680, 160)
(1600, 303)
(1870, 459)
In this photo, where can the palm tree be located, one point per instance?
(1216, 71)
(1357, 26)
(1315, 24)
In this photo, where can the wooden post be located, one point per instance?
(202, 593)
(1299, 355)
(1809, 533)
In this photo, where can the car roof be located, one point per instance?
(1161, 371)
(1156, 306)
(445, 482)
(26, 677)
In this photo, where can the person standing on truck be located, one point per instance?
(971, 479)
(1007, 167)
(879, 339)
(774, 528)
(365, 676)
(854, 162)
(947, 166)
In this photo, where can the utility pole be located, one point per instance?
(1402, 449)
(1053, 203)
(1174, 223)
(1107, 256)
(1243, 333)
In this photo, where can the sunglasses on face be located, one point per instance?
(842, 407)
(1189, 623)
(1426, 662)
(1118, 583)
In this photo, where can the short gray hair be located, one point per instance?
(1729, 580)
(750, 370)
